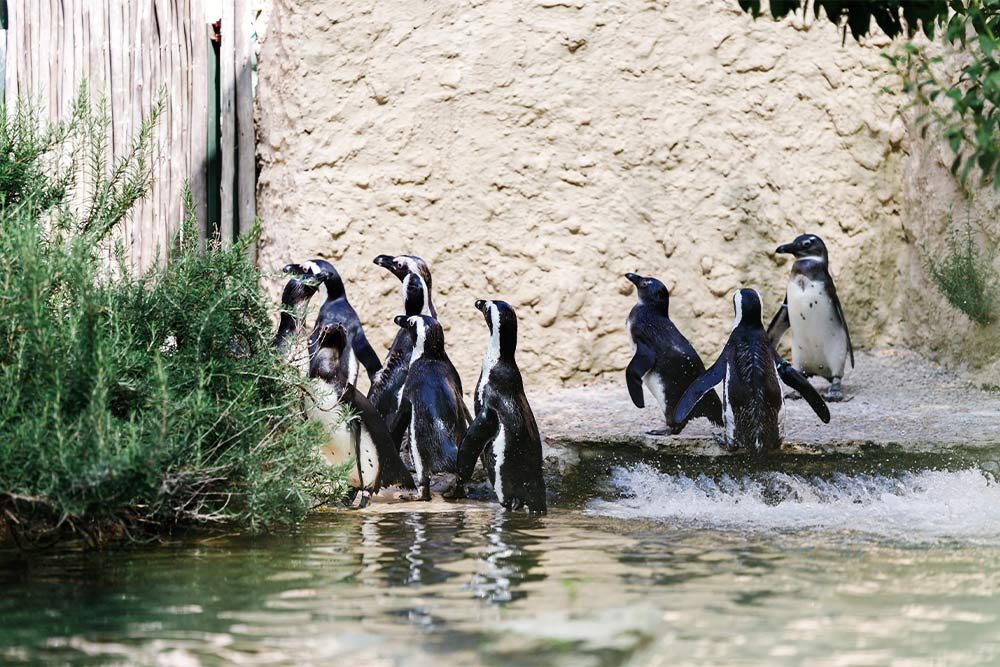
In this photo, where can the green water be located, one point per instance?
(656, 567)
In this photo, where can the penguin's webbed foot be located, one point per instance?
(366, 498)
(721, 441)
(456, 492)
(422, 494)
(833, 395)
(661, 431)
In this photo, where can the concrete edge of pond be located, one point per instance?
(895, 397)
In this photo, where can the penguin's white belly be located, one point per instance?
(819, 343)
(339, 447)
(655, 387)
(499, 453)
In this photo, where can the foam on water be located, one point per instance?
(913, 506)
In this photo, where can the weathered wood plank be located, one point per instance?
(227, 117)
(246, 147)
(199, 113)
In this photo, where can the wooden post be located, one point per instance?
(246, 148)
(227, 117)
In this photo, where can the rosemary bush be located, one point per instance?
(140, 399)
(965, 275)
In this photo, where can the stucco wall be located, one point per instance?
(536, 150)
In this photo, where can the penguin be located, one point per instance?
(335, 308)
(663, 360)
(431, 406)
(748, 370)
(416, 278)
(504, 433)
(821, 343)
(363, 438)
(291, 323)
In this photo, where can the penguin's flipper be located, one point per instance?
(843, 322)
(798, 382)
(483, 430)
(780, 323)
(400, 421)
(704, 384)
(365, 354)
(392, 470)
(642, 361)
(354, 426)
(709, 407)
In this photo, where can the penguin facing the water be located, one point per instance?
(364, 437)
(821, 343)
(336, 309)
(504, 431)
(388, 383)
(431, 406)
(748, 370)
(663, 360)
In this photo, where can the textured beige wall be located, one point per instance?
(536, 150)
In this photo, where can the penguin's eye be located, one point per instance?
(645, 283)
(807, 242)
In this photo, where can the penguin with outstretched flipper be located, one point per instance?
(748, 369)
(335, 309)
(431, 406)
(821, 342)
(504, 433)
(663, 360)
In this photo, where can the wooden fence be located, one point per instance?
(127, 50)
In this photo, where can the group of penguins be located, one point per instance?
(414, 407)
(414, 424)
(749, 368)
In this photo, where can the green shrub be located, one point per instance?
(965, 275)
(156, 397)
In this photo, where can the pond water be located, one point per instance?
(863, 560)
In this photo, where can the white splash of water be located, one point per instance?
(914, 506)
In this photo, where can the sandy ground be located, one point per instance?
(894, 396)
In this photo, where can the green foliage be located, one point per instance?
(152, 397)
(893, 17)
(965, 275)
(963, 101)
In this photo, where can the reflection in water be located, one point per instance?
(505, 563)
(483, 587)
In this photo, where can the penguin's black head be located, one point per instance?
(404, 265)
(650, 290)
(318, 272)
(806, 245)
(329, 336)
(502, 322)
(297, 293)
(746, 303)
(428, 337)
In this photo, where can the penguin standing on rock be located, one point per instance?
(663, 360)
(821, 343)
(748, 370)
(336, 309)
(431, 405)
(364, 438)
(504, 430)
(387, 384)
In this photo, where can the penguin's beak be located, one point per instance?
(292, 268)
(481, 306)
(400, 321)
(389, 262)
(785, 249)
(633, 278)
(385, 261)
